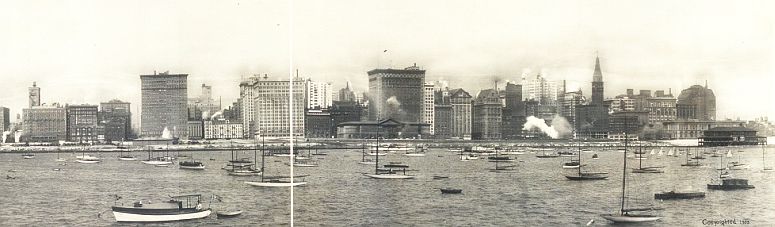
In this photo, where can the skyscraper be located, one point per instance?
(319, 94)
(34, 95)
(461, 113)
(5, 122)
(513, 111)
(44, 124)
(269, 107)
(347, 94)
(164, 106)
(428, 106)
(597, 84)
(396, 94)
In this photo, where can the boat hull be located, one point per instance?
(389, 176)
(129, 217)
(586, 177)
(415, 155)
(157, 162)
(629, 219)
(679, 195)
(367, 163)
(193, 167)
(729, 187)
(127, 159)
(274, 184)
(87, 161)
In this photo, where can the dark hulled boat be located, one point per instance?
(678, 195)
(731, 184)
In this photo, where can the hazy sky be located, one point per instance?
(94, 51)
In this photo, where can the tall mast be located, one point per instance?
(262, 159)
(624, 167)
(376, 159)
(579, 146)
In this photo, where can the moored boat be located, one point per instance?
(678, 195)
(184, 207)
(451, 190)
(191, 164)
(731, 184)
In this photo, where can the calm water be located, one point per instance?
(537, 194)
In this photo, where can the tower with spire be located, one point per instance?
(597, 84)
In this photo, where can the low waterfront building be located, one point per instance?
(386, 129)
(730, 136)
(218, 129)
(692, 129)
(196, 130)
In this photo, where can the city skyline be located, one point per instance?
(675, 45)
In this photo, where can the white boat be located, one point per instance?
(414, 154)
(627, 218)
(390, 176)
(275, 184)
(375, 154)
(128, 158)
(179, 208)
(624, 215)
(28, 156)
(367, 162)
(305, 165)
(87, 161)
(61, 160)
(156, 162)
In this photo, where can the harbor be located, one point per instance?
(337, 192)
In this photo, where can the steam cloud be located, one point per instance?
(393, 107)
(219, 113)
(5, 134)
(560, 126)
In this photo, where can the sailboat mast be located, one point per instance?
(363, 152)
(624, 167)
(640, 156)
(376, 159)
(579, 146)
(262, 159)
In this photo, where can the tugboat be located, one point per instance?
(183, 207)
(679, 195)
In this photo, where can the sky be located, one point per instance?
(94, 51)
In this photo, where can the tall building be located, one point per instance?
(442, 114)
(661, 108)
(219, 128)
(428, 106)
(461, 113)
(592, 120)
(271, 107)
(702, 99)
(513, 111)
(34, 95)
(396, 94)
(5, 121)
(487, 112)
(248, 105)
(82, 123)
(164, 97)
(116, 116)
(203, 106)
(44, 124)
(347, 94)
(569, 103)
(538, 88)
(597, 84)
(319, 94)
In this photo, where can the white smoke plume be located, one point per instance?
(17, 136)
(5, 134)
(219, 113)
(560, 127)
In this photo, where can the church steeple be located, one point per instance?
(597, 84)
(598, 75)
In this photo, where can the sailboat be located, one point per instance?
(158, 161)
(587, 175)
(728, 183)
(497, 159)
(671, 152)
(273, 181)
(624, 215)
(58, 158)
(86, 159)
(365, 161)
(642, 169)
(764, 164)
(390, 171)
(243, 166)
(127, 157)
(415, 153)
(306, 162)
(691, 162)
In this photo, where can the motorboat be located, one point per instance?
(183, 207)
(731, 184)
(193, 165)
(451, 190)
(678, 195)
